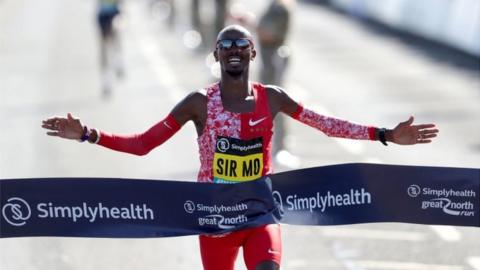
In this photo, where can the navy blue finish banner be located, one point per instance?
(330, 195)
(363, 193)
(127, 208)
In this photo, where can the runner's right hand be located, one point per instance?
(68, 128)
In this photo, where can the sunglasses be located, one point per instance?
(241, 43)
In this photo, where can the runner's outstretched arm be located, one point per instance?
(405, 133)
(137, 144)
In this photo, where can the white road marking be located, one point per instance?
(346, 255)
(393, 265)
(447, 233)
(374, 234)
(350, 265)
(159, 66)
(474, 262)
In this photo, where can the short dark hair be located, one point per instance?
(235, 27)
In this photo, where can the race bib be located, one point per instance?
(237, 160)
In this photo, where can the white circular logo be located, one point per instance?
(413, 191)
(189, 207)
(277, 198)
(16, 212)
(223, 145)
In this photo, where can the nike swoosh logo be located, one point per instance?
(167, 125)
(254, 123)
(273, 251)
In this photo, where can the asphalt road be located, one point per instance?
(353, 70)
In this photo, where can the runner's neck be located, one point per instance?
(237, 98)
(233, 91)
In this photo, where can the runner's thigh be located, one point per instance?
(219, 253)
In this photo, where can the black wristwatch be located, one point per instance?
(381, 136)
(86, 134)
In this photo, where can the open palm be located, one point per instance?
(407, 134)
(68, 128)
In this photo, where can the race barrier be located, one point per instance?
(452, 23)
(330, 195)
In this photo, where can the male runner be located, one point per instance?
(238, 112)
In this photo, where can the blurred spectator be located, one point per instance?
(195, 15)
(220, 15)
(110, 57)
(208, 33)
(272, 31)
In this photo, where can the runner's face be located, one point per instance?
(236, 59)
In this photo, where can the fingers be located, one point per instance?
(54, 119)
(55, 134)
(428, 131)
(425, 137)
(56, 125)
(51, 120)
(421, 126)
(53, 123)
(425, 132)
(56, 122)
(67, 127)
(49, 127)
(424, 141)
(424, 126)
(429, 136)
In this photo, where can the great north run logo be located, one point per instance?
(221, 216)
(16, 211)
(442, 199)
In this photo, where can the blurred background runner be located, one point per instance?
(108, 12)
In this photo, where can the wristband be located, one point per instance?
(381, 136)
(86, 134)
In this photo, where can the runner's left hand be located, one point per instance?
(407, 134)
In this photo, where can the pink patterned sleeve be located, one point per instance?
(334, 127)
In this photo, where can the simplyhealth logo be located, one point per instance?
(322, 202)
(16, 211)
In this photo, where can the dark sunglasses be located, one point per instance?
(241, 43)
